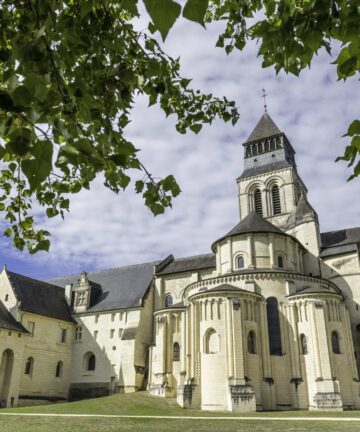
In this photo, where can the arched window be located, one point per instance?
(89, 361)
(303, 344)
(251, 342)
(176, 352)
(168, 300)
(335, 343)
(280, 261)
(273, 326)
(275, 194)
(59, 369)
(7, 297)
(240, 263)
(212, 342)
(29, 366)
(258, 202)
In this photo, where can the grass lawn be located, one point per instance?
(143, 404)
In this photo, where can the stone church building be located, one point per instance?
(269, 320)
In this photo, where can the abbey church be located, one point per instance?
(268, 320)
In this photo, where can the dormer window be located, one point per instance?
(81, 298)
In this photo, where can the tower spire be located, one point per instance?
(264, 96)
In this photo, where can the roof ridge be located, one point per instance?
(341, 229)
(32, 279)
(194, 256)
(105, 270)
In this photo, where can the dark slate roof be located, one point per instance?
(192, 263)
(261, 169)
(301, 214)
(252, 223)
(312, 290)
(40, 297)
(340, 242)
(265, 128)
(226, 287)
(220, 288)
(8, 322)
(177, 305)
(122, 287)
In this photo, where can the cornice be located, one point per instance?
(254, 276)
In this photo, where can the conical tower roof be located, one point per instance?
(265, 128)
(252, 223)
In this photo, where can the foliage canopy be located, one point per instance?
(70, 71)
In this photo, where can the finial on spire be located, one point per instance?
(264, 96)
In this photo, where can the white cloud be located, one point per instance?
(104, 229)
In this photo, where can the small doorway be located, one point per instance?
(6, 366)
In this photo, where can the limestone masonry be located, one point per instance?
(269, 320)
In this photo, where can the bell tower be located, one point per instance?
(271, 186)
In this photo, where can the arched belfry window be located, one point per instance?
(273, 321)
(258, 202)
(240, 263)
(303, 344)
(251, 342)
(335, 343)
(176, 352)
(275, 195)
(168, 300)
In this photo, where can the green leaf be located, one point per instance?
(163, 14)
(20, 142)
(354, 128)
(139, 186)
(51, 212)
(38, 169)
(195, 10)
(8, 232)
(37, 86)
(196, 128)
(21, 96)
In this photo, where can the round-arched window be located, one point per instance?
(176, 352)
(258, 202)
(168, 300)
(273, 319)
(280, 261)
(59, 369)
(251, 342)
(29, 366)
(240, 262)
(275, 195)
(89, 361)
(303, 344)
(335, 342)
(212, 342)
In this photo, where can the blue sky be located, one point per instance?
(105, 230)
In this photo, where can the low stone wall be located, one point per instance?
(80, 391)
